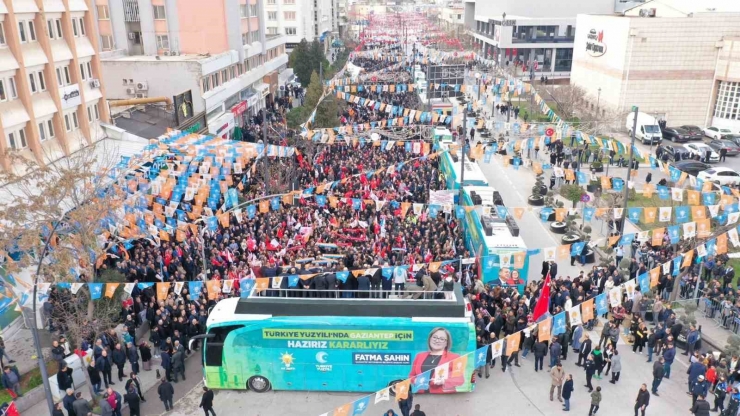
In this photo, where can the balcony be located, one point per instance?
(131, 11)
(544, 39)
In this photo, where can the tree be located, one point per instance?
(297, 116)
(572, 192)
(313, 93)
(57, 219)
(573, 105)
(327, 113)
(567, 98)
(317, 57)
(300, 61)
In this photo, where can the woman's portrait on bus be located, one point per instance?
(442, 379)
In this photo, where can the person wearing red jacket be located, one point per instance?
(441, 380)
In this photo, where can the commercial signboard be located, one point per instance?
(70, 95)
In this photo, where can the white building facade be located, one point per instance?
(303, 19)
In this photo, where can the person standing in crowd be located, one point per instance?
(133, 400)
(81, 406)
(557, 375)
(555, 351)
(206, 401)
(94, 375)
(720, 392)
(133, 357)
(699, 389)
(701, 406)
(642, 401)
(4, 354)
(669, 354)
(105, 408)
(68, 402)
(658, 373)
(417, 411)
(178, 364)
(540, 351)
(567, 391)
(585, 350)
(405, 404)
(166, 393)
(133, 381)
(616, 367)
(595, 401)
(12, 381)
(590, 368)
(119, 359)
(116, 401)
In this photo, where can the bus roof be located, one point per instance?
(258, 307)
(473, 173)
(501, 237)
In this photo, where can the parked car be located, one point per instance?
(700, 149)
(720, 176)
(732, 148)
(692, 167)
(695, 132)
(671, 150)
(735, 138)
(716, 132)
(676, 134)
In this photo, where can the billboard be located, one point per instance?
(183, 107)
(450, 77)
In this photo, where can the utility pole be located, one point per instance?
(462, 157)
(321, 74)
(264, 126)
(635, 109)
(531, 83)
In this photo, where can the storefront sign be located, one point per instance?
(222, 124)
(70, 96)
(239, 108)
(595, 43)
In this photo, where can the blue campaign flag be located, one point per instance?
(682, 214)
(246, 286)
(673, 234)
(293, 280)
(502, 211)
(577, 248)
(602, 306)
(588, 213)
(212, 223)
(196, 287)
(676, 265)
(730, 208)
(582, 178)
(618, 184)
(663, 192)
(644, 281)
(433, 211)
(321, 200)
(356, 204)
(359, 407)
(709, 198)
(699, 183)
(675, 174)
(387, 272)
(626, 239)
(487, 157)
(232, 198)
(634, 214)
(459, 211)
(251, 211)
(421, 382)
(275, 203)
(558, 324)
(653, 162)
(342, 276)
(144, 285)
(96, 290)
(545, 213)
(480, 356)
(711, 247)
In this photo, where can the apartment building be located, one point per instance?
(51, 94)
(303, 19)
(221, 57)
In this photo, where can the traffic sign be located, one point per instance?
(585, 198)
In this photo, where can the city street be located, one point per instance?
(521, 391)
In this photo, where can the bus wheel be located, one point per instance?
(392, 387)
(258, 384)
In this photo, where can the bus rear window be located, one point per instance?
(215, 345)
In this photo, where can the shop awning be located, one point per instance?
(262, 88)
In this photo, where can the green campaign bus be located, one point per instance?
(339, 344)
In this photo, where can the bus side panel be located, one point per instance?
(324, 353)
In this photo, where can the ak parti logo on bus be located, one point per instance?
(595, 45)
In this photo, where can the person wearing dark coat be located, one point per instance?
(376, 281)
(540, 351)
(103, 366)
(363, 285)
(64, 378)
(57, 410)
(206, 401)
(178, 364)
(167, 365)
(146, 352)
(331, 286)
(119, 359)
(94, 375)
(68, 402)
(643, 400)
(567, 390)
(133, 400)
(81, 406)
(133, 381)
(133, 358)
(166, 393)
(701, 407)
(585, 350)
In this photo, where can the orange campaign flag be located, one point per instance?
(707, 187)
(512, 343)
(682, 178)
(658, 235)
(402, 390)
(587, 310)
(519, 259)
(703, 228)
(458, 366)
(405, 208)
(264, 206)
(693, 197)
(650, 214)
(698, 212)
(687, 257)
(163, 235)
(726, 200)
(162, 290)
(563, 252)
(648, 190)
(560, 214)
(543, 330)
(214, 288)
(288, 198)
(606, 183)
(110, 289)
(344, 409)
(654, 276)
(613, 240)
(518, 212)
(224, 219)
(434, 266)
(722, 243)
(262, 283)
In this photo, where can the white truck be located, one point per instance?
(647, 131)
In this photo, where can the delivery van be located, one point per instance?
(647, 131)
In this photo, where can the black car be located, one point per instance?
(735, 138)
(676, 134)
(671, 151)
(695, 132)
(692, 167)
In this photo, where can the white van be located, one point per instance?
(647, 130)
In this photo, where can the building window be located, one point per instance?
(215, 80)
(289, 15)
(253, 10)
(206, 84)
(63, 75)
(17, 140)
(42, 133)
(2, 34)
(159, 13)
(54, 27)
(289, 2)
(245, 38)
(243, 11)
(26, 31)
(92, 113)
(291, 31)
(88, 65)
(271, 2)
(563, 59)
(46, 130)
(225, 75)
(271, 15)
(37, 82)
(70, 121)
(272, 31)
(7, 89)
(107, 43)
(74, 28)
(254, 36)
(82, 26)
(103, 12)
(728, 101)
(163, 42)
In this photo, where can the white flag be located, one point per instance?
(417, 209)
(664, 214)
(701, 250)
(76, 287)
(666, 267)
(43, 288)
(129, 287)
(615, 296)
(276, 281)
(550, 253)
(618, 212)
(382, 396)
(677, 194)
(689, 229)
(497, 349)
(178, 287)
(574, 315)
(629, 288)
(732, 217)
(713, 210)
(732, 234)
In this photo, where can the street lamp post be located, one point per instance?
(629, 171)
(598, 100)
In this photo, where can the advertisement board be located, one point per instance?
(327, 353)
(447, 76)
